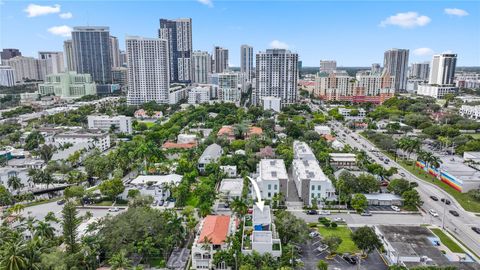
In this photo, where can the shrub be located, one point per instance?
(334, 225)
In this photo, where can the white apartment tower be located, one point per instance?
(246, 61)
(442, 70)
(148, 70)
(201, 66)
(328, 66)
(419, 71)
(277, 76)
(178, 33)
(54, 62)
(220, 59)
(395, 62)
(7, 77)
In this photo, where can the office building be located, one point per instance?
(276, 76)
(91, 50)
(178, 33)
(123, 58)
(120, 76)
(443, 69)
(68, 85)
(395, 62)
(119, 123)
(9, 53)
(419, 71)
(7, 76)
(201, 66)
(148, 70)
(328, 66)
(25, 68)
(272, 178)
(199, 95)
(220, 59)
(114, 52)
(54, 62)
(69, 56)
(246, 61)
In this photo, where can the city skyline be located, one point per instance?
(424, 27)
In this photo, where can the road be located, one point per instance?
(355, 220)
(459, 226)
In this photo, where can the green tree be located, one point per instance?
(411, 199)
(5, 196)
(290, 228)
(13, 255)
(119, 261)
(366, 239)
(322, 265)
(75, 192)
(112, 188)
(398, 186)
(70, 223)
(46, 152)
(333, 242)
(33, 140)
(359, 202)
(132, 193)
(15, 183)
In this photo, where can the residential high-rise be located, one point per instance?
(201, 66)
(376, 68)
(442, 70)
(148, 70)
(419, 71)
(123, 58)
(10, 53)
(220, 59)
(54, 61)
(119, 76)
(178, 33)
(91, 48)
(277, 76)
(7, 77)
(246, 61)
(328, 66)
(114, 52)
(26, 68)
(395, 62)
(69, 57)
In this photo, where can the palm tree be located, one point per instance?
(46, 152)
(207, 243)
(239, 207)
(13, 257)
(44, 230)
(119, 261)
(15, 183)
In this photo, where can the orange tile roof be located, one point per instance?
(255, 131)
(215, 228)
(225, 130)
(174, 145)
(329, 137)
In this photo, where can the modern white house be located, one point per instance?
(157, 186)
(231, 188)
(343, 160)
(121, 123)
(323, 130)
(272, 177)
(212, 237)
(229, 170)
(302, 151)
(186, 138)
(259, 233)
(311, 182)
(211, 154)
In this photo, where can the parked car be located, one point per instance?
(384, 183)
(454, 213)
(322, 248)
(366, 214)
(433, 212)
(445, 201)
(350, 258)
(60, 202)
(324, 212)
(434, 198)
(313, 234)
(476, 229)
(395, 208)
(402, 174)
(312, 212)
(113, 209)
(339, 219)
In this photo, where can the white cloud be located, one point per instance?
(423, 51)
(66, 15)
(406, 20)
(277, 44)
(61, 30)
(456, 12)
(206, 2)
(37, 10)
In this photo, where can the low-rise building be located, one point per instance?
(272, 103)
(384, 199)
(436, 91)
(302, 151)
(352, 114)
(142, 114)
(68, 85)
(157, 186)
(186, 138)
(472, 112)
(8, 172)
(311, 182)
(98, 139)
(259, 233)
(228, 132)
(211, 154)
(343, 160)
(323, 130)
(199, 95)
(231, 188)
(119, 123)
(272, 177)
(229, 170)
(214, 230)
(177, 93)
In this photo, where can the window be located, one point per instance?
(313, 187)
(275, 187)
(313, 195)
(319, 187)
(269, 195)
(269, 186)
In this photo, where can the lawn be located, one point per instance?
(347, 245)
(447, 241)
(474, 135)
(109, 203)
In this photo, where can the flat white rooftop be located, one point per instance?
(232, 186)
(261, 217)
(272, 169)
(157, 179)
(309, 169)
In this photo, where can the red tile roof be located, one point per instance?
(215, 228)
(173, 145)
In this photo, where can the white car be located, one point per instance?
(314, 234)
(324, 212)
(322, 248)
(339, 219)
(395, 208)
(433, 212)
(113, 209)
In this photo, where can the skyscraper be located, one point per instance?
(395, 62)
(69, 57)
(221, 59)
(91, 49)
(277, 76)
(442, 71)
(148, 70)
(376, 68)
(10, 53)
(246, 61)
(54, 62)
(201, 66)
(328, 66)
(419, 71)
(178, 33)
(26, 68)
(7, 76)
(114, 52)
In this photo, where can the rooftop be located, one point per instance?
(455, 166)
(174, 145)
(302, 149)
(215, 228)
(232, 186)
(212, 151)
(309, 169)
(345, 157)
(272, 169)
(261, 217)
(157, 179)
(262, 236)
(382, 196)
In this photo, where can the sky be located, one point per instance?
(352, 32)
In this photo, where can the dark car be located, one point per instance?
(446, 201)
(476, 229)
(434, 198)
(60, 202)
(350, 258)
(454, 213)
(312, 212)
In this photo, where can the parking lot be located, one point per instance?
(380, 208)
(310, 256)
